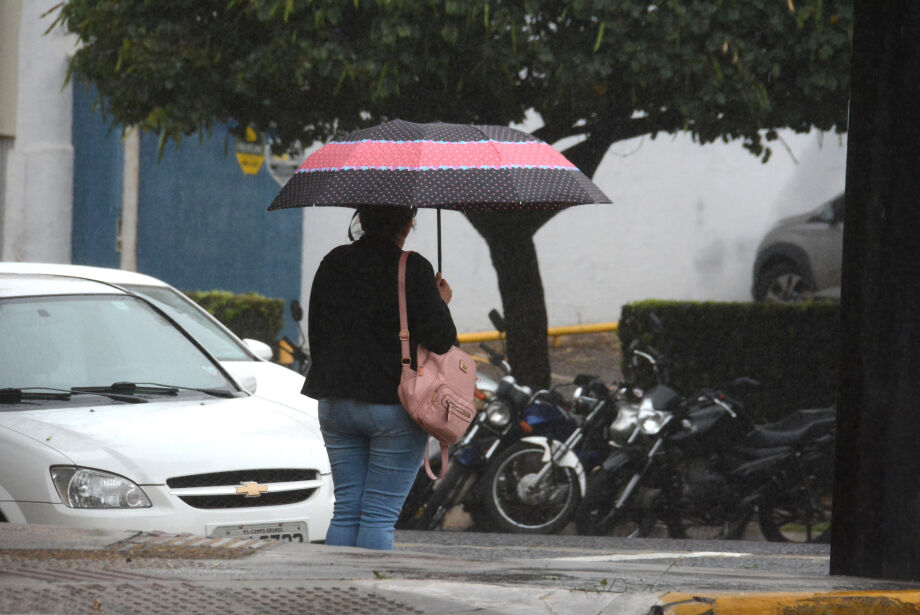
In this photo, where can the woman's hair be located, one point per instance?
(386, 222)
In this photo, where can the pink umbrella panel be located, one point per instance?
(444, 166)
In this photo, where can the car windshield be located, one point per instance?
(70, 341)
(209, 334)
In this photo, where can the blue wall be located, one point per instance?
(202, 222)
(97, 179)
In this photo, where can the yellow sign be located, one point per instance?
(250, 152)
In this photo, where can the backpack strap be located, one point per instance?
(403, 318)
(406, 359)
(444, 462)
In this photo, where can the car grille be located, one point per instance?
(238, 501)
(275, 487)
(241, 476)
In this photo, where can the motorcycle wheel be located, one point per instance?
(780, 522)
(441, 499)
(602, 492)
(515, 503)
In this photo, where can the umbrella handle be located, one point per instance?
(439, 240)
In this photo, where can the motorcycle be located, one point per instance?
(298, 350)
(507, 411)
(536, 485)
(798, 506)
(698, 463)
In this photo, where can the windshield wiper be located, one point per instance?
(119, 391)
(17, 396)
(150, 388)
(127, 388)
(176, 387)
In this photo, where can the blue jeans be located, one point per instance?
(375, 451)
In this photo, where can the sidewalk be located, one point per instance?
(55, 570)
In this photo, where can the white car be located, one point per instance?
(248, 361)
(112, 416)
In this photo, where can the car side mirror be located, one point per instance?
(261, 349)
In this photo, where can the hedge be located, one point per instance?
(791, 349)
(248, 315)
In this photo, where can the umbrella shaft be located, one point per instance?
(439, 240)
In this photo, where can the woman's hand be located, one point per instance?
(443, 288)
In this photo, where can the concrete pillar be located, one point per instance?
(130, 194)
(39, 205)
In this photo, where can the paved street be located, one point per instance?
(53, 570)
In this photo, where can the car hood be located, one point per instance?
(274, 382)
(151, 442)
(782, 230)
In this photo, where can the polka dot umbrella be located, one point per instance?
(444, 166)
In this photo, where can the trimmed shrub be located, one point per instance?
(791, 349)
(248, 315)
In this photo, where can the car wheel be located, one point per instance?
(783, 282)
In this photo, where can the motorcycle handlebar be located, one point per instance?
(495, 358)
(715, 397)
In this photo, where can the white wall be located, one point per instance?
(39, 189)
(685, 224)
(10, 16)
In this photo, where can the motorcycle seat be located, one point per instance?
(763, 463)
(762, 437)
(801, 418)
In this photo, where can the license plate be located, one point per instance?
(287, 532)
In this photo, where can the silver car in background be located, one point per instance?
(801, 257)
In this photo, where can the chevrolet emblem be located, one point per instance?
(251, 490)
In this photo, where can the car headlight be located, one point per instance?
(85, 488)
(498, 413)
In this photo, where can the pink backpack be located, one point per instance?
(438, 395)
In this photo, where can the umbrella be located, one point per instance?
(438, 165)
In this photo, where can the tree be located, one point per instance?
(604, 70)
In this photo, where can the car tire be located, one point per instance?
(783, 282)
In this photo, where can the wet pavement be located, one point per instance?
(55, 570)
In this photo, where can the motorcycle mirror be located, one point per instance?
(296, 310)
(497, 321)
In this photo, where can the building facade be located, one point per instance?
(78, 189)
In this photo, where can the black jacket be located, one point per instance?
(353, 322)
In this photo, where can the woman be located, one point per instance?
(374, 446)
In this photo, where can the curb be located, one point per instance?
(804, 603)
